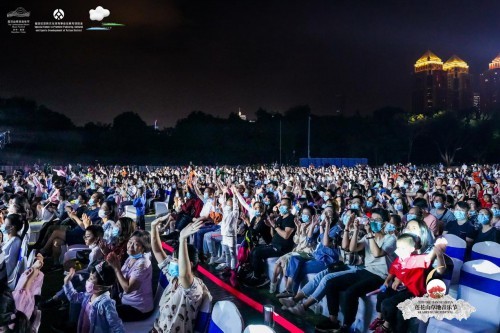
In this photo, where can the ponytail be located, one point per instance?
(21, 323)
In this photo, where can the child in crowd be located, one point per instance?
(406, 280)
(98, 314)
(230, 215)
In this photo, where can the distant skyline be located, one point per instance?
(174, 57)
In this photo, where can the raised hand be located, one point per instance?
(70, 275)
(190, 229)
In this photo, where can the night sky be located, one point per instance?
(173, 57)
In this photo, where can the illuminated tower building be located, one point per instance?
(459, 91)
(490, 87)
(429, 87)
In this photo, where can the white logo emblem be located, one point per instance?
(98, 14)
(58, 14)
(19, 12)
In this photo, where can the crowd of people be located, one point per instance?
(357, 229)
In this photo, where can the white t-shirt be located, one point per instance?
(380, 266)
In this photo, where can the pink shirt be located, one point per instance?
(25, 298)
(434, 224)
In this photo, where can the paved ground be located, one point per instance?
(54, 280)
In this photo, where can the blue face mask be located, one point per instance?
(410, 217)
(91, 202)
(283, 210)
(245, 195)
(136, 256)
(257, 213)
(438, 205)
(188, 195)
(345, 219)
(322, 217)
(496, 212)
(472, 213)
(398, 207)
(267, 202)
(355, 206)
(323, 206)
(326, 198)
(305, 218)
(376, 226)
(483, 219)
(369, 204)
(394, 196)
(173, 269)
(115, 232)
(459, 215)
(205, 196)
(389, 228)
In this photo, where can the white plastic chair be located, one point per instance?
(31, 258)
(480, 287)
(487, 251)
(258, 329)
(20, 265)
(160, 208)
(145, 326)
(451, 280)
(225, 318)
(131, 212)
(456, 246)
(69, 252)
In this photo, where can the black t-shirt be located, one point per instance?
(281, 244)
(465, 230)
(259, 230)
(492, 235)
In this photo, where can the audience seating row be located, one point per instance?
(485, 263)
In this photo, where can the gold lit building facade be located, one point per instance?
(490, 87)
(459, 95)
(429, 84)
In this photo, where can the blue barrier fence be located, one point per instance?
(339, 161)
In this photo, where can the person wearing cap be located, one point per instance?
(98, 313)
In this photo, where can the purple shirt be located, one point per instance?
(141, 271)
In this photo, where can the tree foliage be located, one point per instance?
(389, 135)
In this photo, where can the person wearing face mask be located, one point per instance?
(495, 210)
(473, 209)
(323, 256)
(93, 235)
(11, 245)
(421, 210)
(439, 210)
(462, 226)
(379, 251)
(303, 240)
(98, 311)
(134, 278)
(406, 279)
(315, 289)
(107, 214)
(186, 294)
(189, 210)
(230, 215)
(209, 207)
(283, 229)
(487, 231)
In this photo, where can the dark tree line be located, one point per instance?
(389, 135)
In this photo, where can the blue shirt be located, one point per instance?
(103, 315)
